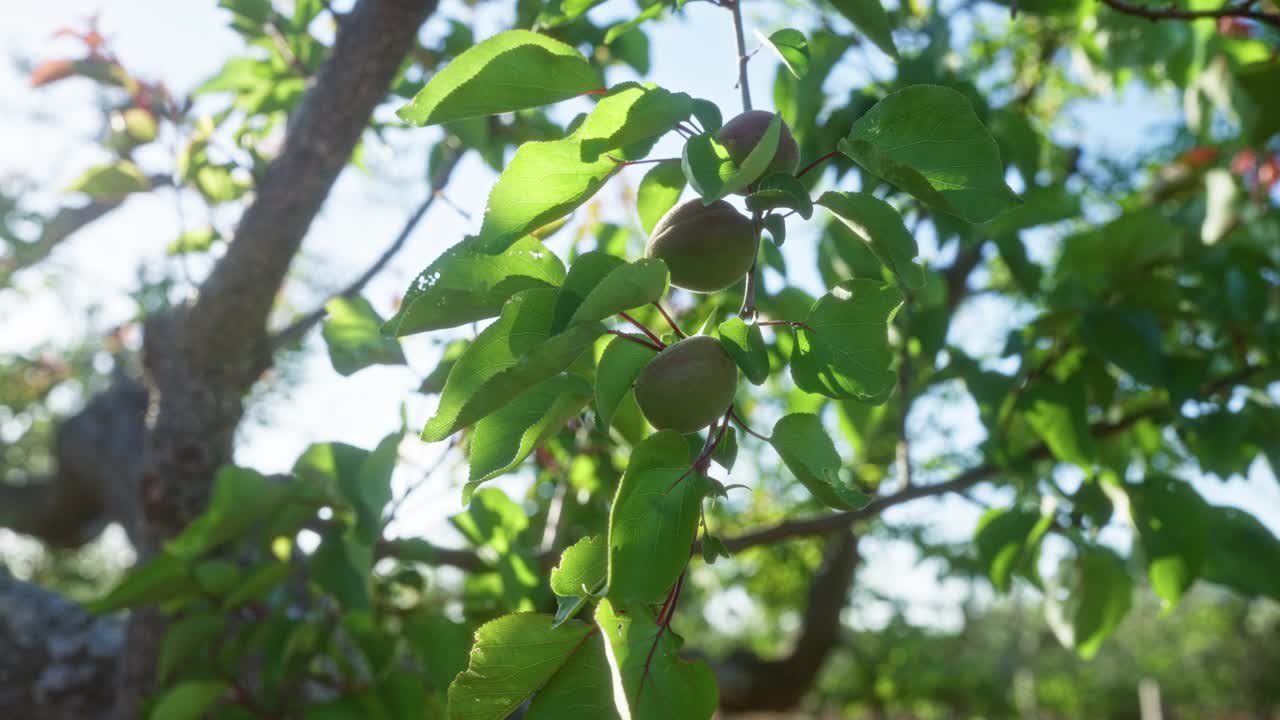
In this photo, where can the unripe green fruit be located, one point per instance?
(740, 135)
(688, 386)
(706, 248)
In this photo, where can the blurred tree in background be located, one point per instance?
(993, 319)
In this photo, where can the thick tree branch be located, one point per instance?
(57, 662)
(227, 325)
(750, 683)
(1243, 10)
(66, 222)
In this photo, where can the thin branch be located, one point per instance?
(789, 323)
(637, 340)
(679, 333)
(748, 309)
(822, 525)
(817, 162)
(733, 413)
(299, 327)
(1242, 10)
(644, 329)
(736, 8)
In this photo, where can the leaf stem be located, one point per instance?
(748, 309)
(634, 339)
(817, 162)
(736, 8)
(644, 329)
(792, 323)
(670, 321)
(733, 413)
(629, 163)
(704, 457)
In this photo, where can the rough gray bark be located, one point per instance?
(57, 662)
(201, 360)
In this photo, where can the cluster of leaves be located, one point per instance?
(1148, 351)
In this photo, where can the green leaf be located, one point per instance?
(1128, 338)
(650, 680)
(714, 175)
(881, 227)
(189, 700)
(1058, 412)
(504, 439)
(216, 576)
(581, 690)
(183, 638)
(162, 578)
(647, 14)
(776, 226)
(442, 644)
(713, 549)
(588, 271)
(342, 566)
(808, 451)
(626, 287)
(1007, 542)
(745, 344)
(617, 370)
(433, 384)
(111, 182)
(582, 571)
(369, 490)
(659, 191)
(781, 190)
(928, 141)
(510, 71)
(1259, 107)
(513, 657)
(351, 332)
(241, 498)
(628, 114)
(466, 284)
(1172, 521)
(791, 47)
(726, 453)
(194, 241)
(543, 182)
(871, 20)
(654, 519)
(260, 581)
(1242, 554)
(842, 350)
(1105, 594)
(510, 356)
(708, 114)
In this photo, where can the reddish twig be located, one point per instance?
(644, 329)
(817, 162)
(634, 339)
(733, 413)
(670, 321)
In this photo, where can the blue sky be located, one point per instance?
(47, 135)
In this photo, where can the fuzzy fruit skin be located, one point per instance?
(706, 248)
(688, 386)
(740, 135)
